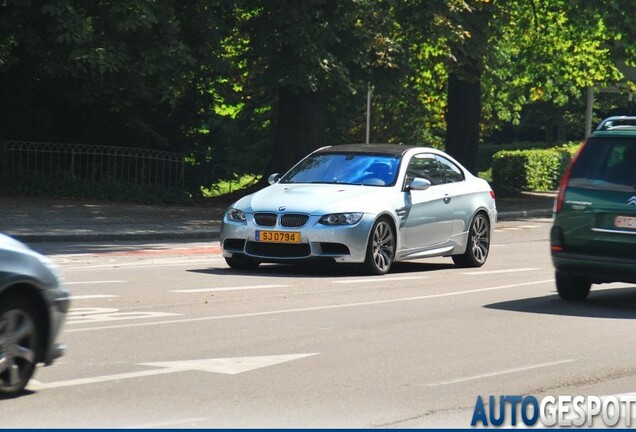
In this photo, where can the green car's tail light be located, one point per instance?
(560, 198)
(556, 239)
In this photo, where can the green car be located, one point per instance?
(593, 238)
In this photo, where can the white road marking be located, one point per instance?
(172, 424)
(236, 288)
(230, 366)
(314, 308)
(94, 282)
(491, 272)
(502, 372)
(93, 315)
(95, 296)
(377, 279)
(142, 264)
(73, 312)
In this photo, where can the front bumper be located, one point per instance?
(341, 243)
(59, 301)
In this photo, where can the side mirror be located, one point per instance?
(419, 184)
(274, 178)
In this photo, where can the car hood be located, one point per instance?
(315, 199)
(16, 258)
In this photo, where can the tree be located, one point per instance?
(310, 54)
(107, 72)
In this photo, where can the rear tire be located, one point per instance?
(241, 262)
(19, 330)
(380, 248)
(477, 244)
(572, 287)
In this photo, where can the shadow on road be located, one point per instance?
(619, 303)
(326, 269)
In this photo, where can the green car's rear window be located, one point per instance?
(606, 163)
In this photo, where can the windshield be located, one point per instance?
(345, 168)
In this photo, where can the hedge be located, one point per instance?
(531, 170)
(485, 152)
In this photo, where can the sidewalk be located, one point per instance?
(36, 220)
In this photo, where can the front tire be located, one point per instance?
(572, 287)
(241, 262)
(478, 243)
(19, 331)
(380, 248)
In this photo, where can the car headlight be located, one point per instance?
(341, 218)
(235, 214)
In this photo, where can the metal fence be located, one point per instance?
(94, 163)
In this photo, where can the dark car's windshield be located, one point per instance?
(606, 163)
(347, 168)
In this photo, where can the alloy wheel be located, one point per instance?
(18, 342)
(382, 247)
(480, 236)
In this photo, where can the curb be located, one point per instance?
(96, 237)
(516, 214)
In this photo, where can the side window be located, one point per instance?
(425, 166)
(452, 173)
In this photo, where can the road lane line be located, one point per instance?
(36, 385)
(94, 282)
(94, 296)
(502, 372)
(491, 272)
(147, 264)
(236, 288)
(311, 309)
(378, 279)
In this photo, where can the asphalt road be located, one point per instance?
(166, 336)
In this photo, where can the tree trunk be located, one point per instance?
(300, 128)
(463, 117)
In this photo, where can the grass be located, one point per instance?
(227, 186)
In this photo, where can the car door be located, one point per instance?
(431, 211)
(462, 198)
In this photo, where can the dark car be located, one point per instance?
(593, 238)
(33, 306)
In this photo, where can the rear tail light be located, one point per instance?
(556, 239)
(558, 201)
(492, 194)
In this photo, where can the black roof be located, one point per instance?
(387, 149)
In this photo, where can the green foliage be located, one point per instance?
(531, 170)
(204, 77)
(487, 151)
(227, 186)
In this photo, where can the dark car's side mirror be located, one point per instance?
(419, 184)
(274, 178)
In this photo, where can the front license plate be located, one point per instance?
(625, 222)
(278, 236)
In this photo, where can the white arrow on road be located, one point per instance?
(229, 366)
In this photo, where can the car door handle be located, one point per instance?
(447, 199)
